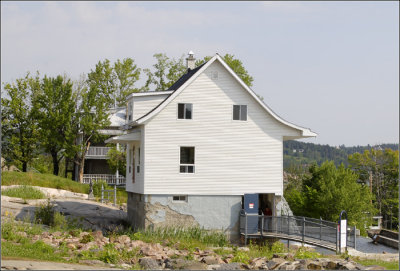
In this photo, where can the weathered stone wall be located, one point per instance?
(209, 212)
(136, 210)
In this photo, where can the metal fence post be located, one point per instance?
(337, 229)
(262, 225)
(304, 229)
(320, 228)
(102, 193)
(355, 237)
(115, 195)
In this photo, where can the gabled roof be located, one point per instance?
(189, 77)
(185, 77)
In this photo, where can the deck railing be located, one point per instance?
(304, 229)
(98, 151)
(111, 179)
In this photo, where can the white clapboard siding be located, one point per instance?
(138, 186)
(143, 104)
(231, 157)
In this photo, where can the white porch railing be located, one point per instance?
(111, 179)
(98, 151)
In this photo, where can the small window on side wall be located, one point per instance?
(240, 112)
(179, 198)
(186, 160)
(185, 111)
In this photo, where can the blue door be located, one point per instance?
(251, 207)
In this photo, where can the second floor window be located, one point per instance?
(239, 112)
(130, 111)
(185, 111)
(187, 160)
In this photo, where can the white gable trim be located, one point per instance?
(305, 131)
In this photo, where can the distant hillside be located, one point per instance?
(296, 153)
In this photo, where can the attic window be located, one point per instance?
(185, 111)
(240, 112)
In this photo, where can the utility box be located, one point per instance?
(251, 207)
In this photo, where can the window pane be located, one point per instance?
(182, 169)
(175, 198)
(243, 112)
(190, 169)
(181, 111)
(236, 112)
(187, 155)
(188, 111)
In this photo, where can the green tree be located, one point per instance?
(117, 160)
(19, 127)
(126, 75)
(92, 114)
(379, 169)
(328, 190)
(167, 72)
(54, 108)
(117, 80)
(236, 65)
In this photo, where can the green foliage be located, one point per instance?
(306, 253)
(241, 257)
(54, 105)
(328, 190)
(86, 239)
(109, 254)
(167, 72)
(117, 160)
(379, 169)
(126, 75)
(19, 127)
(236, 65)
(44, 214)
(388, 265)
(42, 180)
(186, 237)
(37, 250)
(24, 192)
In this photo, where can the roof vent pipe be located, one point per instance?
(190, 61)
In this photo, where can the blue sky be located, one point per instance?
(329, 66)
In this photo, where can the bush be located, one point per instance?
(24, 192)
(87, 238)
(45, 214)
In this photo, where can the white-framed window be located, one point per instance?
(185, 111)
(186, 160)
(138, 163)
(130, 111)
(179, 198)
(240, 112)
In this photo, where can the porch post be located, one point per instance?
(117, 172)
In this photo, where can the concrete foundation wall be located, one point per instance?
(209, 212)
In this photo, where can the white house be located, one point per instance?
(194, 150)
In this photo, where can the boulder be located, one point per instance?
(314, 265)
(229, 266)
(98, 235)
(287, 266)
(92, 262)
(71, 246)
(274, 263)
(137, 243)
(243, 249)
(210, 260)
(213, 267)
(123, 239)
(149, 264)
(256, 263)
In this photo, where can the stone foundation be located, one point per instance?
(208, 212)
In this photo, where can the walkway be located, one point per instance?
(307, 230)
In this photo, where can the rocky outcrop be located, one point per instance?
(154, 256)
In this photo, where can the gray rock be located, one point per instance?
(374, 267)
(149, 264)
(229, 266)
(274, 263)
(210, 260)
(92, 262)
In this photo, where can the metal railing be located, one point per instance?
(111, 179)
(98, 151)
(313, 231)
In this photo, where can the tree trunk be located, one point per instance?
(82, 162)
(56, 165)
(24, 166)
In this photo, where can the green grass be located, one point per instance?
(184, 238)
(393, 265)
(24, 192)
(43, 180)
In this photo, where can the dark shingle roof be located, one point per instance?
(184, 78)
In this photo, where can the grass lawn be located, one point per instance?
(23, 192)
(52, 181)
(387, 265)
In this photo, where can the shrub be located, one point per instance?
(24, 192)
(44, 214)
(87, 238)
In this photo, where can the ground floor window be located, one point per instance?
(186, 160)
